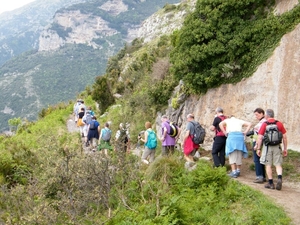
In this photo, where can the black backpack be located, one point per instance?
(199, 133)
(272, 135)
(173, 129)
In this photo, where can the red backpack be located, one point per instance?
(218, 130)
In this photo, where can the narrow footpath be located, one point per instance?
(288, 197)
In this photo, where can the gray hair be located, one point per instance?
(270, 113)
(190, 116)
(219, 110)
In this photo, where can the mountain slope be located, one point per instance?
(72, 50)
(20, 28)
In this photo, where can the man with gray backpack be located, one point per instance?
(272, 133)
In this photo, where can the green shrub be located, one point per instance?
(224, 41)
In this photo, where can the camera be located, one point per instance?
(250, 133)
(140, 135)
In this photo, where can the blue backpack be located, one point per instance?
(152, 140)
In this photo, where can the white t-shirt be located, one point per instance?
(234, 125)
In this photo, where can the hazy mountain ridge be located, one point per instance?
(81, 49)
(20, 28)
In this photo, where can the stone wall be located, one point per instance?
(274, 85)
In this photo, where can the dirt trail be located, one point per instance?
(288, 197)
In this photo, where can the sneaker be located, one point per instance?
(238, 173)
(270, 186)
(259, 180)
(145, 161)
(233, 174)
(279, 184)
(87, 144)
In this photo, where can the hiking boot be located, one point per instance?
(233, 175)
(259, 180)
(87, 144)
(265, 180)
(279, 184)
(270, 186)
(238, 173)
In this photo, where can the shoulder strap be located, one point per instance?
(268, 123)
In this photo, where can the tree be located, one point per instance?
(102, 94)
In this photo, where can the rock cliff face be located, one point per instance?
(274, 85)
(80, 29)
(165, 23)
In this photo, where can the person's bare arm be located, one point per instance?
(284, 139)
(222, 127)
(258, 145)
(248, 124)
(212, 128)
(164, 135)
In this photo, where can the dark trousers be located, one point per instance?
(218, 150)
(260, 170)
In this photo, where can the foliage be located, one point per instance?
(225, 41)
(102, 93)
(53, 176)
(291, 166)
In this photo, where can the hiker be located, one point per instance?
(272, 152)
(123, 138)
(168, 139)
(76, 109)
(93, 132)
(218, 148)
(80, 122)
(260, 171)
(189, 147)
(83, 105)
(87, 118)
(105, 136)
(89, 109)
(235, 143)
(150, 141)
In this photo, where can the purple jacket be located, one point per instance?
(169, 141)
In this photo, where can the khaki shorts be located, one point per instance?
(236, 157)
(272, 155)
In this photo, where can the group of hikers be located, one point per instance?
(229, 140)
(267, 136)
(94, 137)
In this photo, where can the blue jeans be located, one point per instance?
(260, 170)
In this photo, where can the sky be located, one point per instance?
(8, 5)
